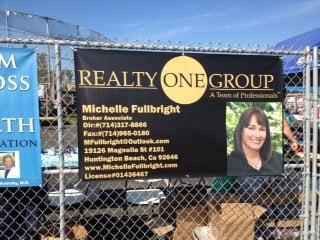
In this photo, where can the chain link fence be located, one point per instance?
(64, 207)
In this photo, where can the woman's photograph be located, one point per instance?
(254, 139)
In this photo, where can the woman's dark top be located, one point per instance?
(238, 165)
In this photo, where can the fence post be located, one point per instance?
(307, 146)
(60, 142)
(314, 144)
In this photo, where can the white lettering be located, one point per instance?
(11, 62)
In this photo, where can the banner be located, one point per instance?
(161, 115)
(20, 164)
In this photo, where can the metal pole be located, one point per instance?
(60, 142)
(315, 175)
(148, 47)
(303, 210)
(307, 147)
(314, 144)
(6, 12)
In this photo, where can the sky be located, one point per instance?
(189, 22)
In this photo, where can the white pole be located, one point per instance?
(307, 147)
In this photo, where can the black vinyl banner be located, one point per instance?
(162, 115)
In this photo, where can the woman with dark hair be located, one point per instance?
(253, 154)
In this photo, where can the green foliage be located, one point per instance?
(273, 111)
(70, 119)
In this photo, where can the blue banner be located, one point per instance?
(20, 164)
